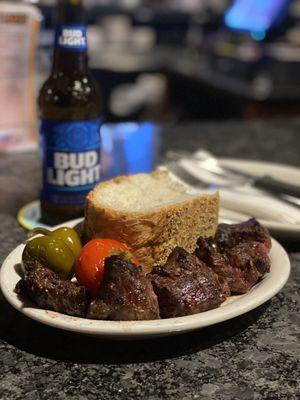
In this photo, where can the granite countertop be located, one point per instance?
(255, 356)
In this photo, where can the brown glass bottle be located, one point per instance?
(70, 110)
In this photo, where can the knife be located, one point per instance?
(209, 162)
(266, 182)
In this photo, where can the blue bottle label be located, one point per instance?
(71, 160)
(71, 38)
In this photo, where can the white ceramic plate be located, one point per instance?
(281, 172)
(233, 307)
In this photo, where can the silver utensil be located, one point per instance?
(207, 161)
(189, 179)
(227, 216)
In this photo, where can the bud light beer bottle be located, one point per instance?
(70, 110)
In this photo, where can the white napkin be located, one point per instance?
(245, 199)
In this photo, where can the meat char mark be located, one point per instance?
(50, 292)
(185, 285)
(125, 293)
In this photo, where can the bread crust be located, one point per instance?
(152, 235)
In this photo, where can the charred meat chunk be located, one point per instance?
(125, 293)
(208, 252)
(241, 266)
(185, 285)
(229, 235)
(250, 262)
(252, 254)
(45, 288)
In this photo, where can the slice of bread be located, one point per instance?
(151, 213)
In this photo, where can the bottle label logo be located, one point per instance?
(71, 160)
(71, 38)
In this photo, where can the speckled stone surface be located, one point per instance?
(256, 356)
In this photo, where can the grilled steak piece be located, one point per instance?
(208, 252)
(185, 285)
(229, 235)
(252, 254)
(50, 292)
(125, 293)
(241, 266)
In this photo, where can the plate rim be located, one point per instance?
(152, 328)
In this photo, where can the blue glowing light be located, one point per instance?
(255, 16)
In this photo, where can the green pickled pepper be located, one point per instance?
(56, 250)
(70, 237)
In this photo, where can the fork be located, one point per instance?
(189, 179)
(214, 168)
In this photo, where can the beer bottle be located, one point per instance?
(70, 110)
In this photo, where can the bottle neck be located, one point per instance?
(70, 45)
(66, 62)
